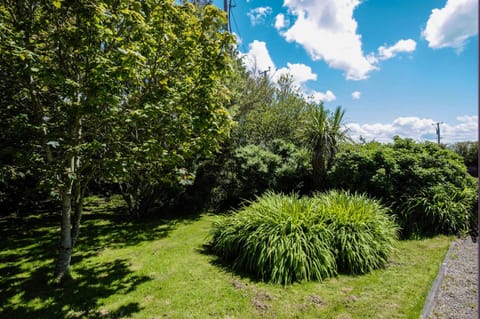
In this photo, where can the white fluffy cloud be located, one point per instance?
(420, 129)
(328, 31)
(465, 130)
(280, 21)
(258, 58)
(356, 95)
(318, 97)
(385, 53)
(452, 25)
(258, 15)
(301, 73)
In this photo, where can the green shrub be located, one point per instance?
(284, 238)
(276, 238)
(255, 168)
(241, 173)
(406, 175)
(294, 172)
(469, 152)
(438, 209)
(364, 233)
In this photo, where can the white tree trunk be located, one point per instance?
(62, 266)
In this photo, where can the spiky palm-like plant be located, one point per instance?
(322, 132)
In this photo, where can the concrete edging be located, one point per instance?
(437, 284)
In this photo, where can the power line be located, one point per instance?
(237, 30)
(231, 14)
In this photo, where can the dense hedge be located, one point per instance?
(241, 173)
(285, 238)
(469, 152)
(426, 185)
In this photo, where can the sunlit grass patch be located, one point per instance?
(158, 269)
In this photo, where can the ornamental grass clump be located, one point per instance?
(277, 238)
(439, 210)
(363, 233)
(284, 238)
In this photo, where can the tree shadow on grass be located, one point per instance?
(79, 298)
(27, 253)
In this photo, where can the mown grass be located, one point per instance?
(157, 269)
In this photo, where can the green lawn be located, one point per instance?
(158, 269)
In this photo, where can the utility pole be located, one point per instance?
(438, 131)
(226, 8)
(264, 73)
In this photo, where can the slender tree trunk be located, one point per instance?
(318, 166)
(78, 210)
(71, 196)
(125, 190)
(62, 265)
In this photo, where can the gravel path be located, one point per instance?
(456, 295)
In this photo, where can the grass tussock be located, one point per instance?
(365, 234)
(285, 238)
(277, 238)
(440, 210)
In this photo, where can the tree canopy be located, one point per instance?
(120, 89)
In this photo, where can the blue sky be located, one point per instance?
(396, 66)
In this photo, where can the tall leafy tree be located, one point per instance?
(322, 132)
(265, 110)
(111, 87)
(250, 94)
(184, 119)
